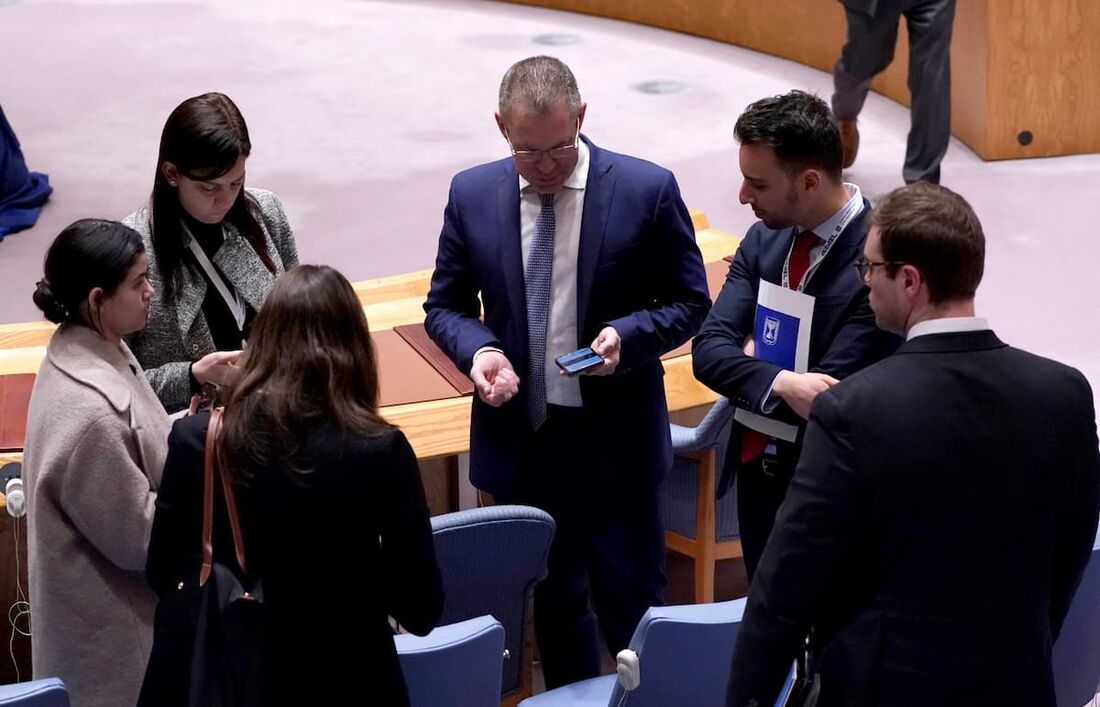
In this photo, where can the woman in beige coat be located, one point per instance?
(96, 443)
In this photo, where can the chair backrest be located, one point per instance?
(712, 430)
(457, 665)
(1076, 655)
(490, 560)
(684, 655)
(49, 692)
(680, 488)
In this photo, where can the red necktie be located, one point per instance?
(753, 443)
(800, 257)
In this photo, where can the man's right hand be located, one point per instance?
(798, 390)
(494, 378)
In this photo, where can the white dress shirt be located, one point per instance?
(561, 326)
(947, 325)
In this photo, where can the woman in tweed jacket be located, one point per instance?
(216, 249)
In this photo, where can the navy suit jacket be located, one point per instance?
(843, 339)
(934, 533)
(638, 270)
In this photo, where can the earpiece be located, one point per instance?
(627, 666)
(12, 477)
(17, 502)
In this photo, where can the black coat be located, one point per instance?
(934, 533)
(338, 549)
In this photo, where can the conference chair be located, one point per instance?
(491, 559)
(697, 523)
(458, 665)
(49, 692)
(679, 655)
(1076, 654)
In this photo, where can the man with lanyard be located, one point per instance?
(948, 495)
(810, 233)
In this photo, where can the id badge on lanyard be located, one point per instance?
(232, 300)
(850, 211)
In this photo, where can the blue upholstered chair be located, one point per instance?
(684, 657)
(697, 523)
(35, 693)
(458, 665)
(491, 558)
(1076, 655)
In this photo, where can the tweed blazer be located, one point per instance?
(97, 438)
(176, 332)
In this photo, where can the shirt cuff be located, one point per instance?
(482, 350)
(195, 385)
(768, 404)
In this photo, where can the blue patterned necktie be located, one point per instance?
(540, 268)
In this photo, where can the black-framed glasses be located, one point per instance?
(864, 266)
(555, 153)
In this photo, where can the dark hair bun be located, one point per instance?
(45, 300)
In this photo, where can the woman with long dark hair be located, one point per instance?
(330, 501)
(216, 249)
(96, 444)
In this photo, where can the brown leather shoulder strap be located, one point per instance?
(210, 468)
(208, 496)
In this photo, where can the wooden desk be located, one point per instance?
(435, 428)
(1016, 65)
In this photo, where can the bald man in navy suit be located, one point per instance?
(561, 246)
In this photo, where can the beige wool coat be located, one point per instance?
(97, 437)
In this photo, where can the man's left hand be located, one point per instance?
(607, 345)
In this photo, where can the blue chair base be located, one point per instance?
(594, 692)
(457, 665)
(49, 692)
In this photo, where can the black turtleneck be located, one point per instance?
(223, 327)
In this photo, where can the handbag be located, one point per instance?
(208, 636)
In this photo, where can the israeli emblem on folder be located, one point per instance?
(781, 327)
(771, 330)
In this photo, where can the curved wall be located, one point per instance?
(1017, 65)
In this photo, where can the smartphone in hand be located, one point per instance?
(578, 361)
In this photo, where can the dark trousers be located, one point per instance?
(761, 487)
(870, 49)
(606, 564)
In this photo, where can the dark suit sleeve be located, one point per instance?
(814, 541)
(1076, 527)
(679, 285)
(453, 308)
(175, 542)
(716, 356)
(859, 343)
(415, 596)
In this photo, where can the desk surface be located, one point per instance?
(435, 426)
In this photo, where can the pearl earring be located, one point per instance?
(171, 183)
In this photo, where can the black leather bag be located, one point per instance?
(219, 617)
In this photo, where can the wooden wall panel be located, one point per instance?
(1047, 76)
(1016, 64)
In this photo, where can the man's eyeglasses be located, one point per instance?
(555, 153)
(864, 266)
